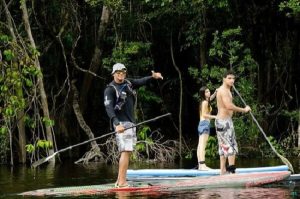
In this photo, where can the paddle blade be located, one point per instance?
(41, 161)
(38, 163)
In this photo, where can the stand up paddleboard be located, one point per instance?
(230, 180)
(144, 173)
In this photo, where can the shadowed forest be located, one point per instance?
(56, 59)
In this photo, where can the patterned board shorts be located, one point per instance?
(204, 127)
(126, 141)
(226, 137)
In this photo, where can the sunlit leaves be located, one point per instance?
(42, 144)
(142, 134)
(3, 130)
(144, 138)
(93, 3)
(160, 2)
(4, 38)
(48, 122)
(8, 55)
(30, 148)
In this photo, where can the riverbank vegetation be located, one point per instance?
(56, 59)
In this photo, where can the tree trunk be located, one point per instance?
(40, 78)
(95, 151)
(203, 34)
(20, 114)
(96, 60)
(299, 130)
(180, 97)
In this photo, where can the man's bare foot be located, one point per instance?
(203, 167)
(223, 172)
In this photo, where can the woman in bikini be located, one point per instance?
(204, 124)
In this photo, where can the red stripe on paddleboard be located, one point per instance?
(134, 189)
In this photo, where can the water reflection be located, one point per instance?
(22, 178)
(247, 193)
(220, 193)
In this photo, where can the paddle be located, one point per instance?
(284, 160)
(43, 160)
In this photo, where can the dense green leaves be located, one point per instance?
(292, 7)
(17, 83)
(135, 56)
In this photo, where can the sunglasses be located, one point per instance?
(120, 72)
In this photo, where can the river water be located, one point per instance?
(14, 180)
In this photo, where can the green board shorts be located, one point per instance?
(126, 141)
(226, 137)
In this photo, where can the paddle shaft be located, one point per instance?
(264, 134)
(96, 138)
(254, 119)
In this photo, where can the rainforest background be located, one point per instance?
(56, 58)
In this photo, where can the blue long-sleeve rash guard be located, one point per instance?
(110, 99)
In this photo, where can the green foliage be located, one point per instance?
(293, 115)
(267, 150)
(292, 7)
(30, 148)
(159, 2)
(48, 122)
(188, 155)
(151, 146)
(147, 96)
(212, 147)
(34, 51)
(133, 54)
(93, 3)
(4, 142)
(29, 122)
(16, 82)
(3, 130)
(229, 52)
(143, 136)
(4, 38)
(42, 144)
(144, 143)
(8, 55)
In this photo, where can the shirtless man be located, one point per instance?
(224, 126)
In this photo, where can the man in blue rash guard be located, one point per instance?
(119, 101)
